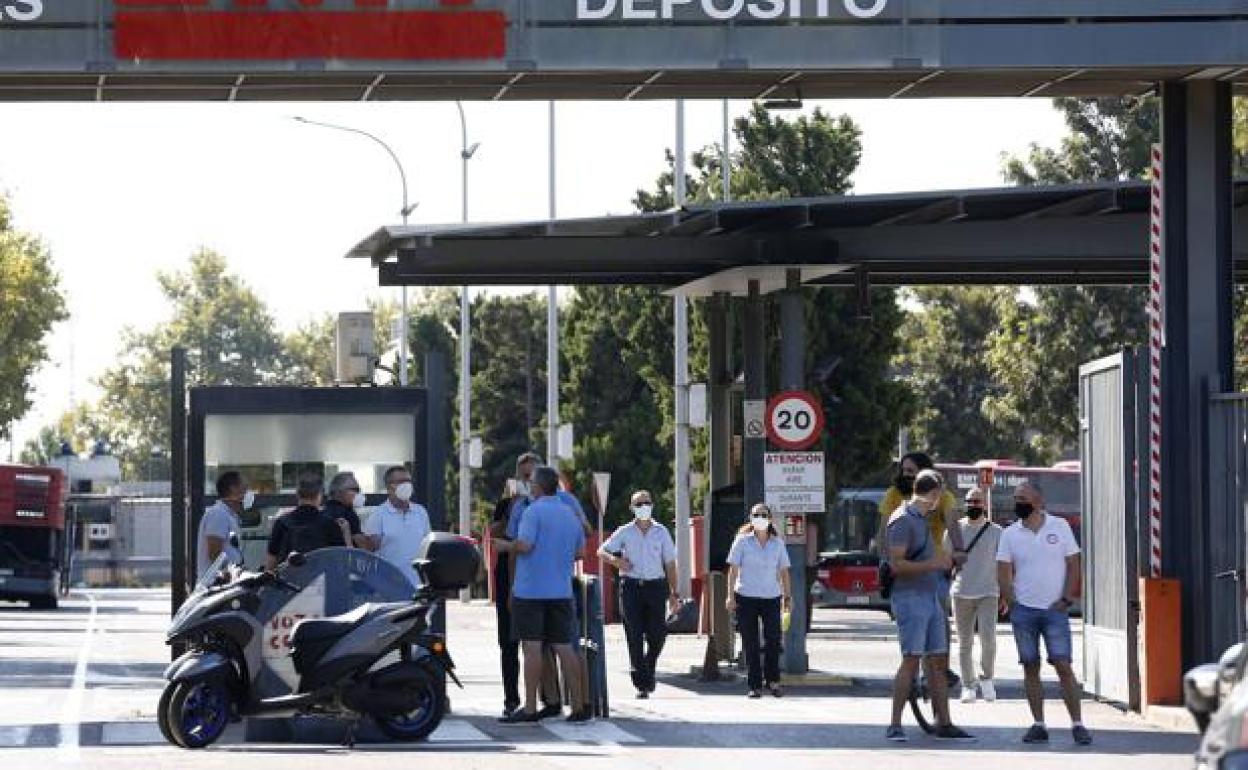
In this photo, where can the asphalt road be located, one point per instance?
(78, 688)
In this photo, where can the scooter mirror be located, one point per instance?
(296, 559)
(1228, 665)
(1200, 693)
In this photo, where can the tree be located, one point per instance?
(1066, 326)
(230, 337)
(508, 384)
(30, 304)
(619, 339)
(945, 360)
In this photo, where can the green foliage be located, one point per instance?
(1036, 353)
(30, 304)
(944, 357)
(508, 384)
(230, 338)
(618, 340)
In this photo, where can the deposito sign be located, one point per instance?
(725, 10)
(794, 420)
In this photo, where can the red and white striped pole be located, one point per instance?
(1156, 341)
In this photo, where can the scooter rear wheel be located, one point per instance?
(199, 712)
(419, 723)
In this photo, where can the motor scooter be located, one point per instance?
(342, 662)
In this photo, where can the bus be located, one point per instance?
(32, 534)
(847, 576)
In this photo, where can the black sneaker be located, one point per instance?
(642, 695)
(952, 733)
(754, 694)
(578, 717)
(554, 710)
(776, 690)
(521, 717)
(896, 734)
(1037, 734)
(1081, 734)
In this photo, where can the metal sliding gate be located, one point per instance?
(1228, 423)
(1107, 448)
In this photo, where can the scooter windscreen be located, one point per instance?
(207, 580)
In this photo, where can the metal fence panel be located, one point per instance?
(1107, 451)
(1228, 425)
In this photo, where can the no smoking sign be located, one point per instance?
(794, 420)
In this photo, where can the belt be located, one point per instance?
(644, 581)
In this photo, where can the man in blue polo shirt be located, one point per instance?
(547, 545)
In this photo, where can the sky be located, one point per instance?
(120, 191)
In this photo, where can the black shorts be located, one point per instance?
(542, 620)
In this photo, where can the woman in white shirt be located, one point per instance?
(758, 572)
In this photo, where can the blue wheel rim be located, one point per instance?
(205, 712)
(419, 718)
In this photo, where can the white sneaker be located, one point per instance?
(988, 689)
(968, 694)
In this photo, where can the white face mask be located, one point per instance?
(644, 512)
(359, 501)
(760, 523)
(249, 499)
(404, 491)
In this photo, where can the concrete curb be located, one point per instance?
(1173, 718)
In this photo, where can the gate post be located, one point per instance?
(1197, 357)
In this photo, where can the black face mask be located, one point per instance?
(1023, 510)
(974, 513)
(905, 484)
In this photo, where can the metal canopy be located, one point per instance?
(1077, 234)
(411, 50)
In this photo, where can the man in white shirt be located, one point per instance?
(398, 526)
(1038, 568)
(645, 556)
(220, 525)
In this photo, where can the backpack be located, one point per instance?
(886, 575)
(305, 533)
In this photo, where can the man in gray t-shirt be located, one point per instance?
(918, 567)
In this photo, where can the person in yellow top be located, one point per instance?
(942, 520)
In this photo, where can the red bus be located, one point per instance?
(32, 534)
(849, 560)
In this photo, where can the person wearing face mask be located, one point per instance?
(758, 572)
(517, 495)
(975, 595)
(918, 566)
(343, 507)
(941, 521)
(398, 526)
(220, 521)
(1038, 568)
(645, 556)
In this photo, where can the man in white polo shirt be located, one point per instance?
(398, 526)
(1038, 569)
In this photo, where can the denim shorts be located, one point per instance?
(1030, 624)
(921, 625)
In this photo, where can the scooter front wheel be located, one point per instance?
(163, 713)
(199, 713)
(418, 723)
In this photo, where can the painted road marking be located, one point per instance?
(600, 732)
(131, 734)
(458, 731)
(14, 736)
(71, 713)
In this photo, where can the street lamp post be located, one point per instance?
(465, 352)
(405, 212)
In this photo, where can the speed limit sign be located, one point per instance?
(794, 420)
